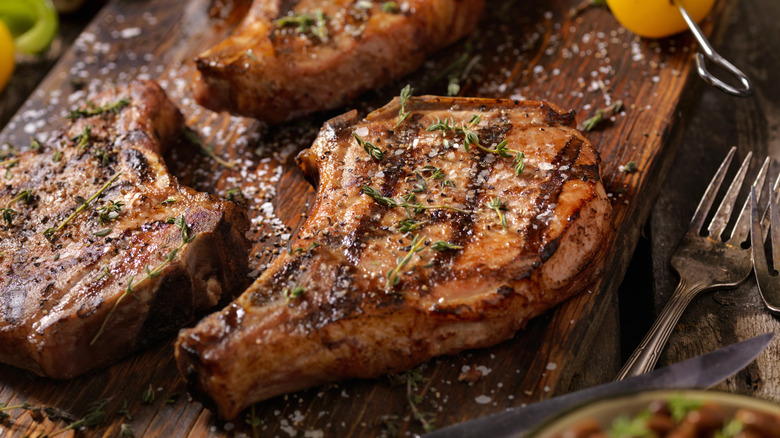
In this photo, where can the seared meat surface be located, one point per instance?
(291, 58)
(101, 250)
(416, 246)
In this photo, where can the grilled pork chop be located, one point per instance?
(415, 247)
(291, 58)
(101, 250)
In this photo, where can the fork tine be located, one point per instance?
(775, 234)
(697, 221)
(740, 232)
(756, 235)
(723, 214)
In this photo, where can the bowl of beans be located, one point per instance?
(667, 414)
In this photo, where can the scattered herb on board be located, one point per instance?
(629, 167)
(412, 380)
(126, 431)
(369, 147)
(406, 93)
(96, 414)
(124, 411)
(601, 115)
(393, 276)
(50, 232)
(94, 110)
(8, 212)
(148, 396)
(208, 151)
(186, 238)
(253, 421)
(498, 206)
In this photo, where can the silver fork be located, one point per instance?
(766, 274)
(704, 262)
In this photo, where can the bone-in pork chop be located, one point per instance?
(101, 250)
(291, 58)
(445, 233)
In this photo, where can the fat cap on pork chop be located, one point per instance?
(415, 247)
(101, 250)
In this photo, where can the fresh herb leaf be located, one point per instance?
(83, 138)
(253, 421)
(602, 114)
(499, 207)
(109, 212)
(25, 196)
(168, 201)
(94, 110)
(315, 24)
(629, 167)
(148, 396)
(126, 431)
(441, 245)
(390, 7)
(679, 405)
(102, 233)
(207, 150)
(393, 276)
(369, 147)
(50, 232)
(291, 293)
(406, 93)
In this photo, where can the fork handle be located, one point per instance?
(646, 354)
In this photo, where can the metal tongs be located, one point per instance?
(710, 53)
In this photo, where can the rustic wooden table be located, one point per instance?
(678, 132)
(715, 123)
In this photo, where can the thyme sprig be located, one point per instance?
(602, 114)
(94, 110)
(369, 147)
(471, 138)
(315, 23)
(406, 93)
(441, 245)
(50, 232)
(412, 380)
(8, 212)
(83, 138)
(96, 414)
(186, 238)
(435, 172)
(393, 275)
(109, 211)
(291, 293)
(407, 203)
(207, 150)
(499, 207)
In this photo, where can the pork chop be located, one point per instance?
(101, 250)
(445, 233)
(292, 58)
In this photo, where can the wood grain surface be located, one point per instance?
(717, 122)
(523, 49)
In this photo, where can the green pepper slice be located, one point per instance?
(33, 23)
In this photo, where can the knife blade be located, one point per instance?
(699, 372)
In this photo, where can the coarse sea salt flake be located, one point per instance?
(483, 399)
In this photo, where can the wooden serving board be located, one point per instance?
(528, 49)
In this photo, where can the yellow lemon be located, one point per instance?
(6, 55)
(657, 18)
